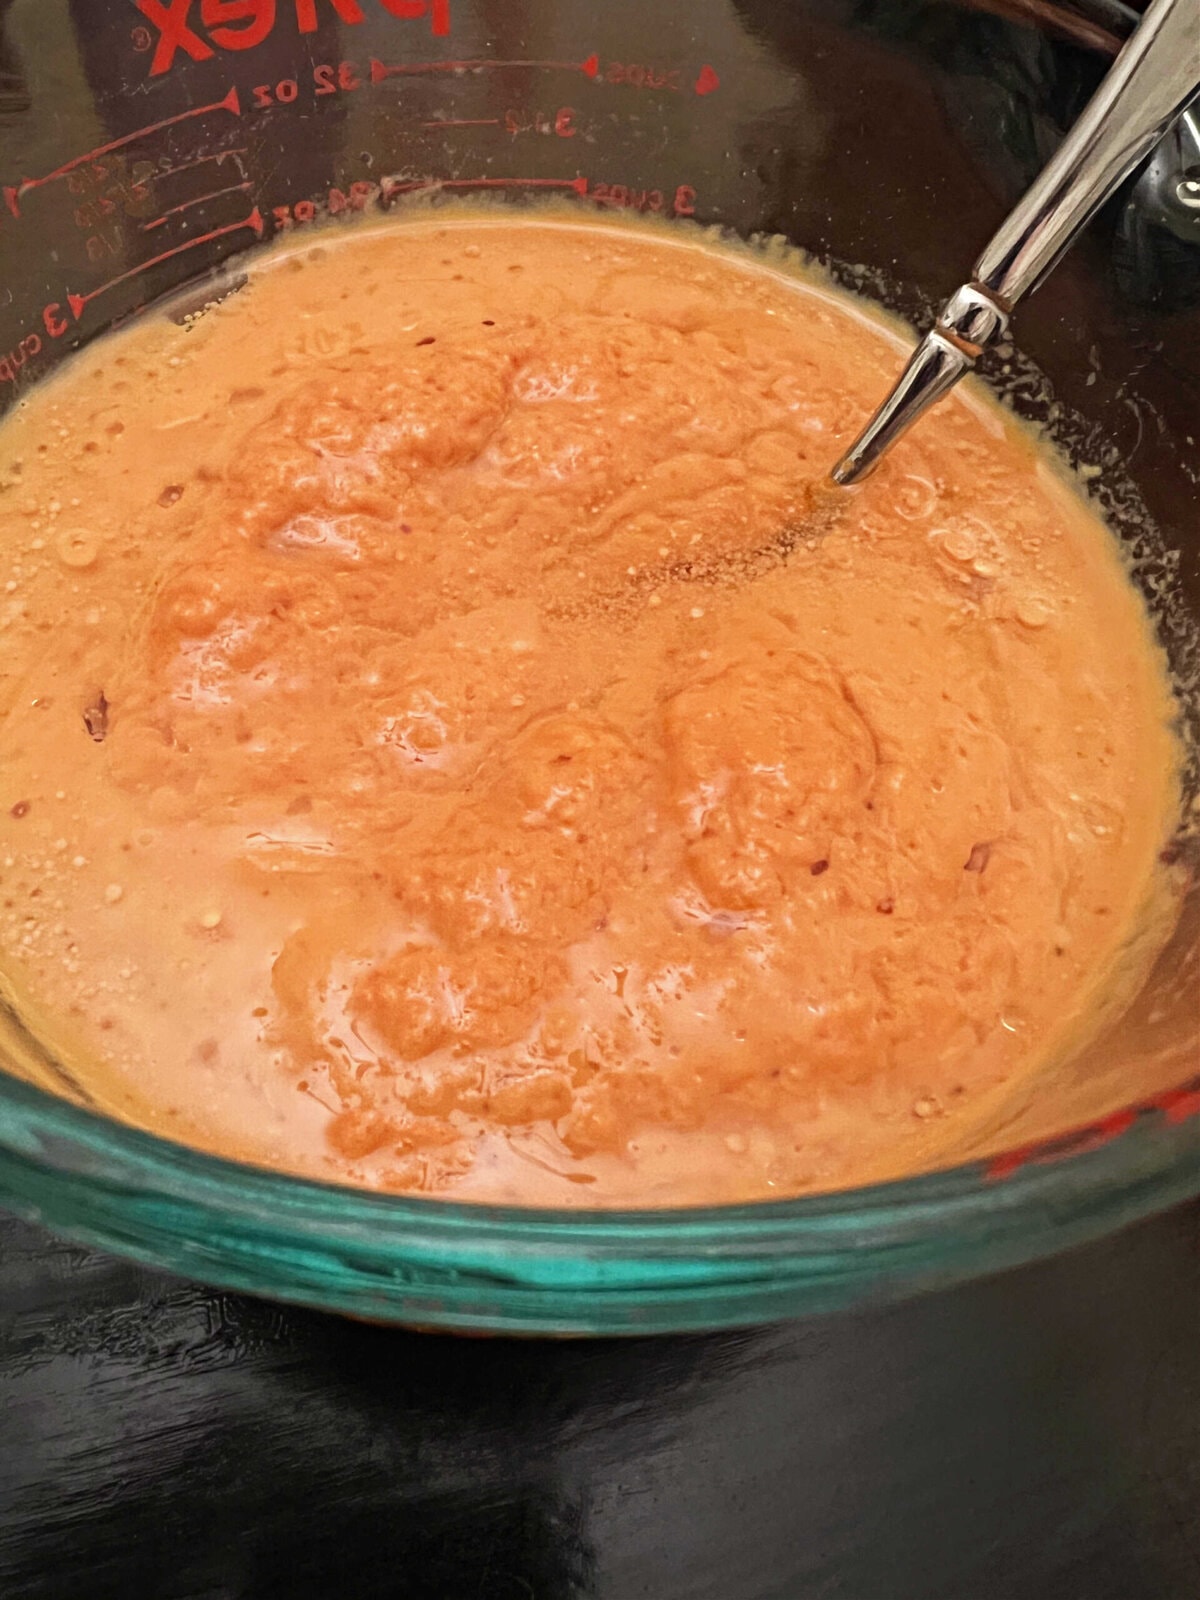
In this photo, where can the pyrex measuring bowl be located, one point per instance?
(145, 143)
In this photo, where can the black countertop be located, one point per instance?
(1034, 1436)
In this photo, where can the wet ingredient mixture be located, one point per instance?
(439, 755)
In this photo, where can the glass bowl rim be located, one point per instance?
(880, 1241)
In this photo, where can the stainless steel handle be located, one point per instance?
(1149, 85)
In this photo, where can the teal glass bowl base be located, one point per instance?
(431, 1264)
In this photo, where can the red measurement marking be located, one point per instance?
(1000, 1167)
(1174, 1105)
(302, 211)
(637, 76)
(390, 188)
(381, 70)
(360, 195)
(1177, 1105)
(233, 188)
(329, 80)
(560, 122)
(33, 344)
(707, 81)
(1093, 1137)
(12, 362)
(622, 196)
(14, 193)
(77, 302)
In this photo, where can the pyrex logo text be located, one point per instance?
(241, 24)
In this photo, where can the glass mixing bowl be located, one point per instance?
(145, 144)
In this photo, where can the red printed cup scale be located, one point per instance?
(271, 115)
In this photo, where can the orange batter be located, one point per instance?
(445, 750)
